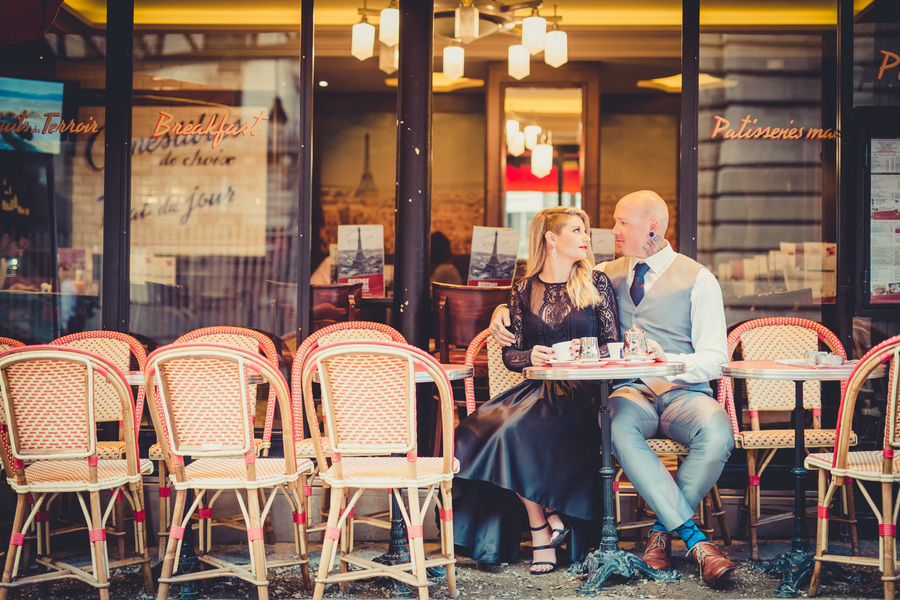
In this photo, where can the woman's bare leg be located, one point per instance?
(539, 538)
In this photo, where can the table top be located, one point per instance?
(773, 371)
(608, 371)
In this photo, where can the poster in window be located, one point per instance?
(493, 259)
(361, 258)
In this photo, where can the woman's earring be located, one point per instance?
(553, 252)
(651, 234)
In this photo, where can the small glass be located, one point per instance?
(635, 345)
(589, 350)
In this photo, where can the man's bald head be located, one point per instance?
(641, 222)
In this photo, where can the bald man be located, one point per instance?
(677, 302)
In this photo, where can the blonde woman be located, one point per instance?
(534, 450)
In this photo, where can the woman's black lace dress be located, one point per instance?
(539, 438)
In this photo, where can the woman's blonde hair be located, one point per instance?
(580, 285)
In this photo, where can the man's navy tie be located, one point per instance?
(637, 286)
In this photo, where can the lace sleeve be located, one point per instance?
(515, 357)
(607, 313)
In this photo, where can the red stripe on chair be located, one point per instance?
(300, 518)
(754, 480)
(335, 457)
(615, 486)
(349, 514)
(140, 516)
(103, 372)
(817, 412)
(888, 529)
(177, 459)
(29, 498)
(176, 532)
(822, 512)
(165, 492)
(97, 535)
(848, 481)
(307, 490)
(18, 463)
(117, 495)
(17, 539)
(42, 516)
(121, 424)
(250, 457)
(412, 456)
(754, 414)
(256, 368)
(415, 531)
(254, 533)
(888, 453)
(446, 515)
(152, 372)
(205, 512)
(332, 533)
(92, 461)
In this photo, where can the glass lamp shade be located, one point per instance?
(556, 48)
(466, 24)
(512, 128)
(531, 136)
(534, 29)
(389, 27)
(519, 62)
(388, 58)
(454, 61)
(362, 44)
(541, 160)
(515, 144)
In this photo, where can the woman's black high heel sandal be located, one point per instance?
(536, 548)
(562, 534)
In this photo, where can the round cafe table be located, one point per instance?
(797, 564)
(608, 559)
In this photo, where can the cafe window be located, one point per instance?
(51, 182)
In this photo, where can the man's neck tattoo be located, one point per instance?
(653, 245)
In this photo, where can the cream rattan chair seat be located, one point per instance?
(110, 450)
(865, 465)
(667, 446)
(307, 447)
(231, 473)
(784, 438)
(72, 475)
(155, 452)
(388, 472)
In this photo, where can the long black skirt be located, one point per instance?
(538, 439)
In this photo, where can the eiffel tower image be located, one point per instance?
(367, 183)
(359, 263)
(493, 266)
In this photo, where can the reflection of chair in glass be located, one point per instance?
(251, 341)
(160, 309)
(330, 304)
(63, 386)
(203, 409)
(368, 397)
(461, 312)
(778, 338)
(880, 466)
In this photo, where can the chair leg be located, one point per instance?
(257, 546)
(752, 503)
(120, 523)
(851, 515)
(417, 552)
(269, 529)
(164, 522)
(345, 541)
(447, 536)
(18, 520)
(99, 547)
(719, 512)
(887, 569)
(327, 545)
(821, 535)
(171, 546)
(140, 532)
(301, 542)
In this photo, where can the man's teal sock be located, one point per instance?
(690, 534)
(659, 527)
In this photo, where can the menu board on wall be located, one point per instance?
(884, 222)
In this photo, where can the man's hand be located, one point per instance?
(655, 351)
(499, 323)
(541, 355)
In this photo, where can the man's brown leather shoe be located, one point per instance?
(658, 553)
(713, 565)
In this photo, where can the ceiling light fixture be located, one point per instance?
(389, 25)
(519, 62)
(542, 159)
(534, 28)
(515, 145)
(556, 44)
(362, 42)
(512, 128)
(388, 58)
(531, 136)
(454, 61)
(465, 22)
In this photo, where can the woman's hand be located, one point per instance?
(655, 351)
(541, 355)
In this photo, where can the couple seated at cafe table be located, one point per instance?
(538, 444)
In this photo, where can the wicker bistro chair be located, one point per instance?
(50, 398)
(368, 396)
(7, 343)
(252, 341)
(305, 447)
(880, 466)
(203, 408)
(778, 338)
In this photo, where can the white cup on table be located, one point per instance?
(615, 349)
(565, 351)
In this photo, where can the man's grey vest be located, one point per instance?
(664, 314)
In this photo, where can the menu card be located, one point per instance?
(361, 257)
(884, 222)
(493, 259)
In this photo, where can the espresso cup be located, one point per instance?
(615, 350)
(565, 351)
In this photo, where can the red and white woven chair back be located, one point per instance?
(49, 400)
(500, 378)
(7, 343)
(117, 348)
(892, 426)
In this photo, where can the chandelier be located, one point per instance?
(462, 22)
